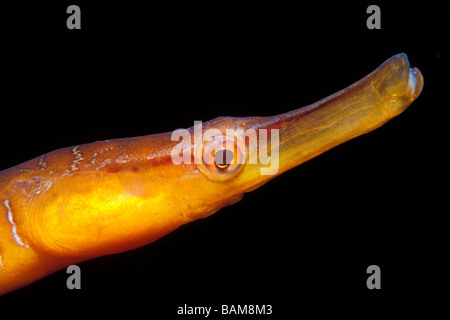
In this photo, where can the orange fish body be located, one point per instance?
(106, 197)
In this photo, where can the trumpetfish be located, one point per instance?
(106, 197)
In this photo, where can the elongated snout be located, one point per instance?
(358, 109)
(362, 107)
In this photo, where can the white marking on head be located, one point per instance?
(16, 237)
(78, 157)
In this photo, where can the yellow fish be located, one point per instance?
(81, 202)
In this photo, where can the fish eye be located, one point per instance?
(221, 158)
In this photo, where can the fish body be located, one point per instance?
(106, 197)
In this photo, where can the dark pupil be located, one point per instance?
(223, 158)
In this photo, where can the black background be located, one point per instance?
(308, 235)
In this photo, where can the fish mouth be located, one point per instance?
(415, 82)
(399, 84)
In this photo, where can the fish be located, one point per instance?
(85, 201)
